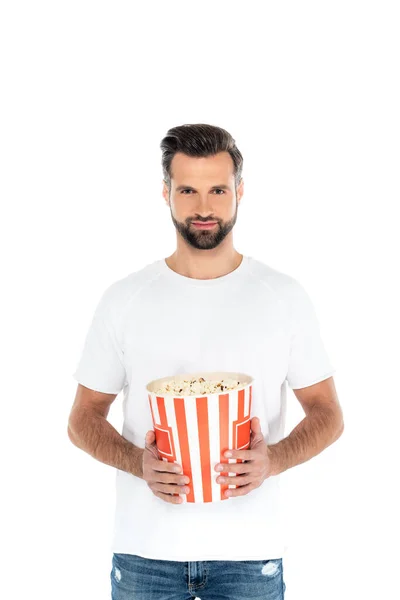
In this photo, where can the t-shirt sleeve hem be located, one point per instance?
(96, 387)
(305, 383)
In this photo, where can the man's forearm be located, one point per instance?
(320, 428)
(90, 431)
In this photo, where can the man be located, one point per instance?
(204, 308)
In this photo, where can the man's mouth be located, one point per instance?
(208, 225)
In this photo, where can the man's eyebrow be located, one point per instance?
(189, 187)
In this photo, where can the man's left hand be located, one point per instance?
(251, 473)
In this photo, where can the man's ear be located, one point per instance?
(240, 191)
(165, 192)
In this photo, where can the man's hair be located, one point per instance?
(199, 140)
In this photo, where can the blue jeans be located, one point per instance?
(137, 578)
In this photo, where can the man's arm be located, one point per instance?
(89, 430)
(322, 425)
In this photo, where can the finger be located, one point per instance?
(236, 468)
(240, 480)
(244, 454)
(165, 466)
(170, 478)
(240, 491)
(169, 498)
(169, 489)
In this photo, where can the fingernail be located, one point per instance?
(219, 468)
(228, 453)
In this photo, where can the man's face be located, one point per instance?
(203, 189)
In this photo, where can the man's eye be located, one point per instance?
(217, 189)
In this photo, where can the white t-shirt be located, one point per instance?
(156, 323)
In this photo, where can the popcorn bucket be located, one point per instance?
(195, 431)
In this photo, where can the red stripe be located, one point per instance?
(165, 425)
(162, 411)
(223, 433)
(204, 442)
(240, 412)
(181, 424)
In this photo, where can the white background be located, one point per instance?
(310, 92)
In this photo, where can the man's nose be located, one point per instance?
(205, 205)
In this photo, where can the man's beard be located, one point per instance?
(204, 239)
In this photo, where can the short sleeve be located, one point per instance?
(309, 362)
(101, 364)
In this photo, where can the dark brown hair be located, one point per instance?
(199, 140)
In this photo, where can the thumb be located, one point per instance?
(150, 438)
(255, 426)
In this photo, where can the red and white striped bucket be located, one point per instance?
(196, 431)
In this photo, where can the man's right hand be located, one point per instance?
(161, 476)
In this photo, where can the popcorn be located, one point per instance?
(197, 387)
